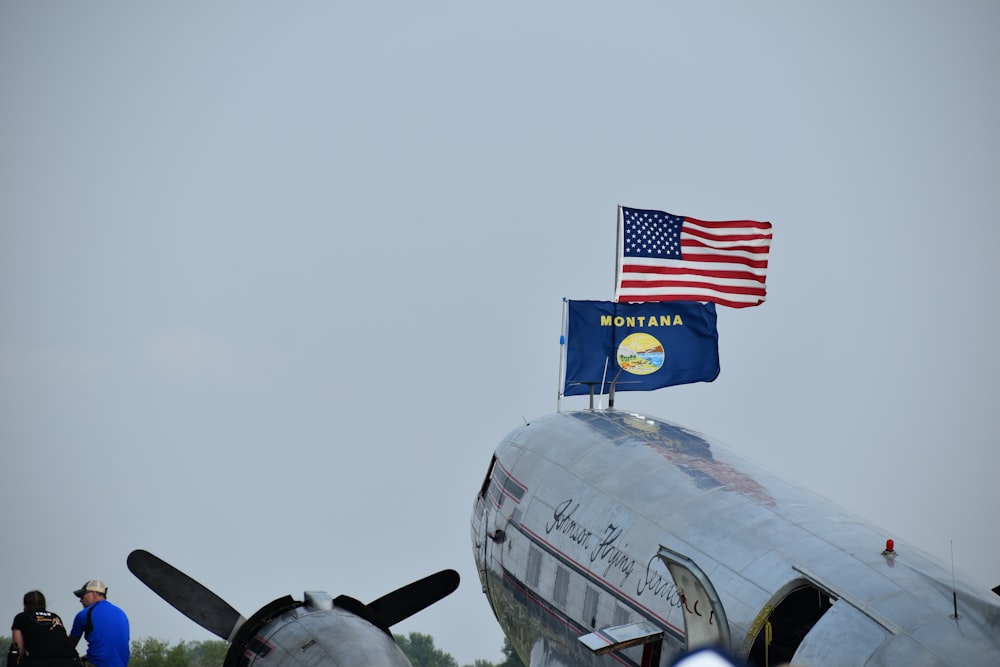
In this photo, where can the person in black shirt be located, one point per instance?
(41, 636)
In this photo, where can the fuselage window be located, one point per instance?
(499, 484)
(512, 488)
(622, 615)
(496, 495)
(590, 599)
(534, 567)
(561, 590)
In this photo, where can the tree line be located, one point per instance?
(152, 652)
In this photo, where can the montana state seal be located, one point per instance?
(640, 354)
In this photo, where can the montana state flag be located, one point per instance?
(643, 346)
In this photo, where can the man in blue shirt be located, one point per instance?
(104, 625)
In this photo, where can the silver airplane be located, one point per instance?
(317, 631)
(609, 538)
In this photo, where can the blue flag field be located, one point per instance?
(645, 345)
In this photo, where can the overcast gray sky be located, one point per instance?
(275, 278)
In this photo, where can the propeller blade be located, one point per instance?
(359, 608)
(404, 602)
(185, 594)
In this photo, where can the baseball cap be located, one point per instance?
(95, 585)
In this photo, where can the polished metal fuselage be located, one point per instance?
(314, 633)
(577, 507)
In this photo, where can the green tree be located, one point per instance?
(420, 649)
(510, 656)
(177, 656)
(209, 653)
(153, 652)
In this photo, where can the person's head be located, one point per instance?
(91, 592)
(34, 601)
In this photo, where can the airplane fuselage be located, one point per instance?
(314, 631)
(593, 520)
(317, 631)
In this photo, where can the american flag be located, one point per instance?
(665, 257)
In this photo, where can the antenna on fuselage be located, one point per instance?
(611, 390)
(954, 589)
(604, 378)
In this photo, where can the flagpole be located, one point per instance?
(618, 253)
(562, 354)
